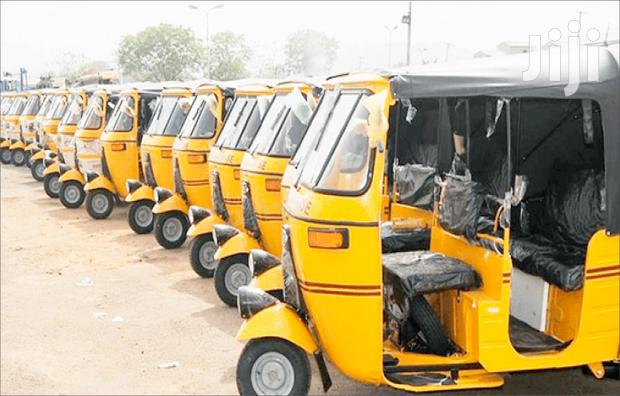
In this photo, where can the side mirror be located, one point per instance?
(519, 189)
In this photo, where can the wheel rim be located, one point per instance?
(100, 203)
(206, 253)
(72, 194)
(39, 169)
(272, 374)
(54, 185)
(172, 229)
(6, 155)
(237, 275)
(143, 216)
(18, 156)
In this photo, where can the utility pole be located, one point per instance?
(407, 21)
(390, 30)
(206, 13)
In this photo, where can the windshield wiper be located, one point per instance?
(245, 104)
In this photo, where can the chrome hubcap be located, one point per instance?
(237, 275)
(272, 374)
(72, 194)
(143, 216)
(18, 156)
(100, 203)
(172, 229)
(207, 251)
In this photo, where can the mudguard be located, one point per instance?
(143, 192)
(5, 144)
(269, 280)
(100, 182)
(279, 321)
(240, 243)
(17, 145)
(204, 226)
(72, 174)
(30, 146)
(53, 168)
(172, 204)
(39, 155)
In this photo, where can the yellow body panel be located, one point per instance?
(17, 145)
(143, 192)
(100, 182)
(5, 144)
(72, 174)
(240, 243)
(53, 168)
(278, 321)
(269, 280)
(174, 203)
(204, 226)
(39, 155)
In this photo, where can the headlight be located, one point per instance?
(196, 213)
(291, 288)
(260, 261)
(251, 300)
(132, 185)
(161, 194)
(222, 233)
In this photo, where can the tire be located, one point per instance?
(37, 169)
(137, 223)
(423, 315)
(99, 203)
(201, 248)
(275, 359)
(230, 274)
(51, 185)
(18, 157)
(171, 229)
(27, 154)
(72, 194)
(5, 156)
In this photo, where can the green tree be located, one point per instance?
(163, 52)
(310, 52)
(227, 56)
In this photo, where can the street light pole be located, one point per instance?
(206, 12)
(390, 30)
(407, 21)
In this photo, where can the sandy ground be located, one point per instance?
(89, 307)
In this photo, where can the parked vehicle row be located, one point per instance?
(427, 229)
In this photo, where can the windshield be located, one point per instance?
(169, 116)
(74, 111)
(122, 119)
(339, 159)
(93, 115)
(46, 105)
(202, 118)
(6, 105)
(32, 106)
(57, 109)
(243, 121)
(18, 105)
(284, 125)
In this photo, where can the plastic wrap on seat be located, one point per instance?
(560, 265)
(460, 208)
(393, 240)
(415, 184)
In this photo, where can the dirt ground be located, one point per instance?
(89, 307)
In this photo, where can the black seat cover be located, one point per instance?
(411, 273)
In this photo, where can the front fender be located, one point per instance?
(72, 174)
(172, 204)
(39, 155)
(17, 145)
(53, 168)
(30, 146)
(269, 280)
(5, 144)
(279, 321)
(100, 182)
(204, 226)
(143, 192)
(240, 243)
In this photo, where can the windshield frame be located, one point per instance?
(29, 109)
(191, 132)
(73, 98)
(90, 110)
(159, 109)
(254, 98)
(115, 117)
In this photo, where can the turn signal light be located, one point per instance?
(196, 158)
(118, 146)
(166, 154)
(272, 184)
(237, 174)
(328, 238)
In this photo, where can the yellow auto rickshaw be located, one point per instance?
(63, 140)
(7, 101)
(523, 271)
(282, 129)
(11, 127)
(189, 162)
(46, 125)
(26, 133)
(156, 157)
(240, 128)
(87, 146)
(120, 143)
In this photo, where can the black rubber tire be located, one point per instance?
(5, 156)
(220, 275)
(194, 256)
(612, 370)
(47, 180)
(423, 315)
(18, 157)
(137, 228)
(161, 219)
(256, 348)
(63, 191)
(27, 154)
(91, 195)
(38, 164)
